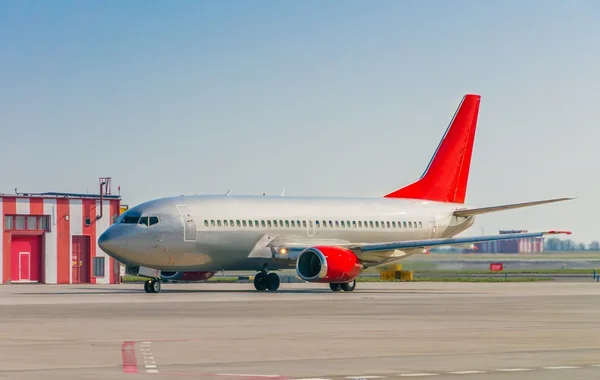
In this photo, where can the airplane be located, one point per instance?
(326, 239)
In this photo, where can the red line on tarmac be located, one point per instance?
(128, 356)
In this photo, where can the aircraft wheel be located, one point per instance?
(147, 286)
(260, 281)
(335, 287)
(272, 281)
(155, 286)
(349, 286)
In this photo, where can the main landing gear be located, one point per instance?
(266, 281)
(152, 285)
(346, 286)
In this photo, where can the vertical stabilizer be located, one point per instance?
(445, 178)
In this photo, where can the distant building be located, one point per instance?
(52, 238)
(523, 245)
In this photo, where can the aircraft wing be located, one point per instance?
(485, 210)
(379, 253)
(427, 243)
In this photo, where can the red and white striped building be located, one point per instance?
(522, 245)
(52, 238)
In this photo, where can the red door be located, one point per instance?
(80, 259)
(26, 257)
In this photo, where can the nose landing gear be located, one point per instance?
(152, 285)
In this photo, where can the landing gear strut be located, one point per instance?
(266, 281)
(152, 285)
(346, 286)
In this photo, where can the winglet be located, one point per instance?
(558, 232)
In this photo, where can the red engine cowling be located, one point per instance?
(328, 264)
(187, 276)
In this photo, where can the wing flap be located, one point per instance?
(485, 210)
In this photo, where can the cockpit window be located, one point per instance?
(130, 219)
(153, 220)
(144, 220)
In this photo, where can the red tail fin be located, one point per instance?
(445, 178)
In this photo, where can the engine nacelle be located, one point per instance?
(328, 264)
(186, 276)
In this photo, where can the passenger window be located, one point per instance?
(287, 223)
(244, 223)
(212, 222)
(268, 223)
(144, 220)
(330, 224)
(275, 223)
(387, 224)
(310, 223)
(304, 223)
(325, 224)
(360, 224)
(225, 223)
(206, 223)
(218, 223)
(237, 222)
(404, 224)
(293, 223)
(420, 225)
(409, 224)
(153, 220)
(262, 223)
(337, 223)
(256, 223)
(343, 225)
(317, 223)
(393, 224)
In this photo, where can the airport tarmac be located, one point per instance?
(303, 331)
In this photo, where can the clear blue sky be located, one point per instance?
(320, 97)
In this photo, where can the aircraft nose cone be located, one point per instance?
(112, 243)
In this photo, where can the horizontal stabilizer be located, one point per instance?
(485, 210)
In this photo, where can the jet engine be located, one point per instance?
(186, 276)
(328, 264)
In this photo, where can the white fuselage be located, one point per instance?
(226, 232)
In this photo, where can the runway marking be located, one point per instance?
(562, 367)
(149, 362)
(247, 375)
(418, 374)
(364, 377)
(465, 372)
(129, 361)
(513, 369)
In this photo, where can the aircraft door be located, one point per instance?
(432, 226)
(310, 227)
(189, 226)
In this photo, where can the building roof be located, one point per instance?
(60, 195)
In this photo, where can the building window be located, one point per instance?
(32, 223)
(98, 266)
(19, 223)
(44, 223)
(8, 222)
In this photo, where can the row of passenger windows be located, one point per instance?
(318, 223)
(145, 220)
